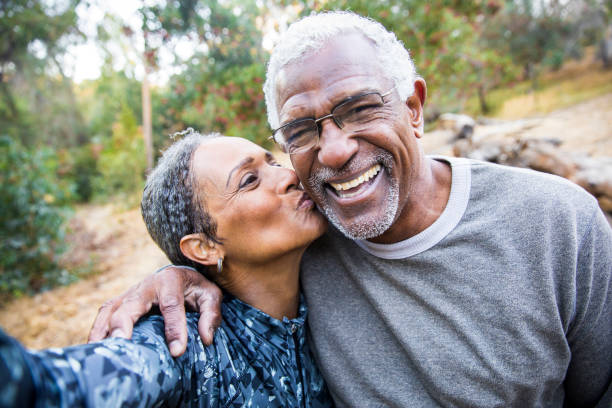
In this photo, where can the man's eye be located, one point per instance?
(295, 138)
(247, 180)
(296, 134)
(358, 110)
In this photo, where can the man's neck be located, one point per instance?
(426, 202)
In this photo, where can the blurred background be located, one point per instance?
(90, 91)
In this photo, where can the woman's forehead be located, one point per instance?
(228, 148)
(214, 159)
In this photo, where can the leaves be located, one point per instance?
(32, 214)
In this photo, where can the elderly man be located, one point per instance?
(444, 282)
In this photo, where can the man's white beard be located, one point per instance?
(367, 226)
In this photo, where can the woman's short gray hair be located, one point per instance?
(170, 206)
(311, 33)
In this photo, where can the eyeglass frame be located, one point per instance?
(322, 118)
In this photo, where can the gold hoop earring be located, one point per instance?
(220, 265)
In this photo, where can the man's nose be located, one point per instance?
(336, 147)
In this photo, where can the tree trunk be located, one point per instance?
(8, 97)
(484, 107)
(147, 131)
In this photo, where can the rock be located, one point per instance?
(605, 203)
(592, 174)
(462, 125)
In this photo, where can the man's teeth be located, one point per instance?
(369, 174)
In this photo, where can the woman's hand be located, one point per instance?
(170, 289)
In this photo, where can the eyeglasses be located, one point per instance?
(353, 114)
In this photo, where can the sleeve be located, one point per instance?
(589, 377)
(115, 372)
(16, 386)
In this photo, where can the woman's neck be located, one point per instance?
(272, 287)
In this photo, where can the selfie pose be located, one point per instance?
(443, 281)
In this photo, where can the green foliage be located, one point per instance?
(231, 103)
(220, 89)
(36, 106)
(103, 100)
(444, 39)
(468, 51)
(32, 215)
(113, 161)
(121, 165)
(534, 39)
(467, 48)
(79, 166)
(25, 21)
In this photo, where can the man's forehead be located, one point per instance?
(343, 66)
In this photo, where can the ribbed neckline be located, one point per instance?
(448, 220)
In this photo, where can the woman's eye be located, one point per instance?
(275, 164)
(247, 180)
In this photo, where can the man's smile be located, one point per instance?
(350, 187)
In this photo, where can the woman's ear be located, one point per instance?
(415, 104)
(200, 249)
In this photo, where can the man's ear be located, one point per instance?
(415, 104)
(200, 249)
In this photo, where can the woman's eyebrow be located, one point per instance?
(244, 162)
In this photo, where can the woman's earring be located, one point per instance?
(220, 265)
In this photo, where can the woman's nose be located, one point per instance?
(286, 180)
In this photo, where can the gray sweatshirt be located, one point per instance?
(505, 301)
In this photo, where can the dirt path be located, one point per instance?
(585, 127)
(124, 253)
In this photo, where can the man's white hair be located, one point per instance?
(309, 34)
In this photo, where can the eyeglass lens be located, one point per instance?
(351, 115)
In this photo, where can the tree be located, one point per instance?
(219, 88)
(32, 215)
(31, 100)
(445, 40)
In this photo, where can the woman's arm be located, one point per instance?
(114, 372)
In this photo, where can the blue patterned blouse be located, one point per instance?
(255, 361)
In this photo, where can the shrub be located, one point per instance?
(32, 215)
(122, 162)
(84, 170)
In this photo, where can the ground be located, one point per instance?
(585, 127)
(123, 253)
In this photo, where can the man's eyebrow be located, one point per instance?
(242, 163)
(356, 94)
(346, 98)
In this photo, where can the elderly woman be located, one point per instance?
(225, 207)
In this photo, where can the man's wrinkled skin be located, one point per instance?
(169, 289)
(311, 88)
